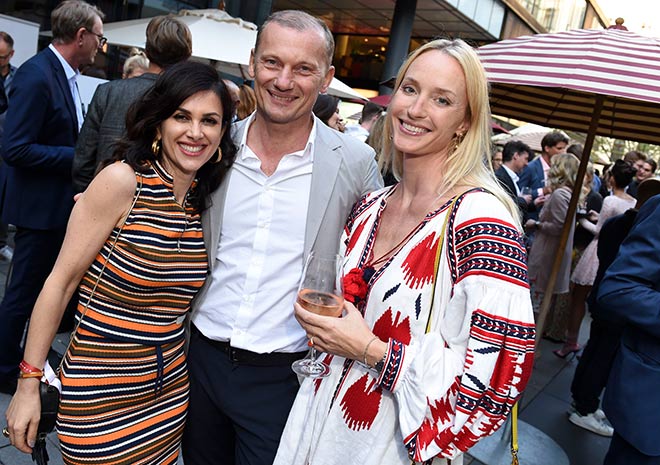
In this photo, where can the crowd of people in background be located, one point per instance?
(607, 209)
(180, 195)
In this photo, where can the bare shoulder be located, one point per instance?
(117, 179)
(111, 191)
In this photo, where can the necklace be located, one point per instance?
(374, 262)
(356, 281)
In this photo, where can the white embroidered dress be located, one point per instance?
(439, 392)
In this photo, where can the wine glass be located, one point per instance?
(320, 292)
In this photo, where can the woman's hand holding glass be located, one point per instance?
(346, 336)
(320, 302)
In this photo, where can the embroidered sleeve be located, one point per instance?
(457, 383)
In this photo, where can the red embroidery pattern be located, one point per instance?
(386, 328)
(355, 235)
(361, 403)
(442, 413)
(419, 265)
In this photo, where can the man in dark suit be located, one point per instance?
(515, 156)
(41, 129)
(594, 366)
(535, 174)
(168, 42)
(629, 295)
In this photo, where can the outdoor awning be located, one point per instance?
(555, 79)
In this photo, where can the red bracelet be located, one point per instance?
(25, 367)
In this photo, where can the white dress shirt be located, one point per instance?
(260, 254)
(514, 177)
(71, 77)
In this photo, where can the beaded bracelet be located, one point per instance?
(366, 348)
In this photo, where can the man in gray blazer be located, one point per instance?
(168, 42)
(289, 192)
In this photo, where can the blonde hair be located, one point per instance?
(247, 102)
(470, 163)
(136, 60)
(563, 170)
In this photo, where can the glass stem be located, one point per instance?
(312, 354)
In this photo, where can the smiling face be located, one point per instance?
(335, 121)
(289, 71)
(191, 136)
(430, 106)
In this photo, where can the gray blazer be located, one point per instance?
(105, 124)
(344, 170)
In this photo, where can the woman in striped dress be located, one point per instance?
(135, 251)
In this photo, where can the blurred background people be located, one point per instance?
(514, 156)
(326, 109)
(534, 176)
(547, 230)
(645, 170)
(135, 65)
(369, 115)
(7, 72)
(41, 130)
(168, 41)
(233, 90)
(247, 102)
(584, 273)
(375, 141)
(496, 158)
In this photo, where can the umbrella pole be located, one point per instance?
(570, 214)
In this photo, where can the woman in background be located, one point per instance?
(326, 109)
(561, 179)
(584, 274)
(136, 64)
(247, 102)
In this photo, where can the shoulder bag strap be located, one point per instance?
(98, 278)
(438, 255)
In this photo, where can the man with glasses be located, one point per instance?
(41, 129)
(168, 41)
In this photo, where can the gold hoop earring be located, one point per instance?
(218, 156)
(455, 142)
(155, 146)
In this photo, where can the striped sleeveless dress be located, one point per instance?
(125, 379)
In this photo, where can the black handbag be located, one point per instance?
(49, 394)
(50, 401)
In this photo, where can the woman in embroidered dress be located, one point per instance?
(425, 365)
(134, 249)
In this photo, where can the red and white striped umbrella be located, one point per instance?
(559, 80)
(604, 82)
